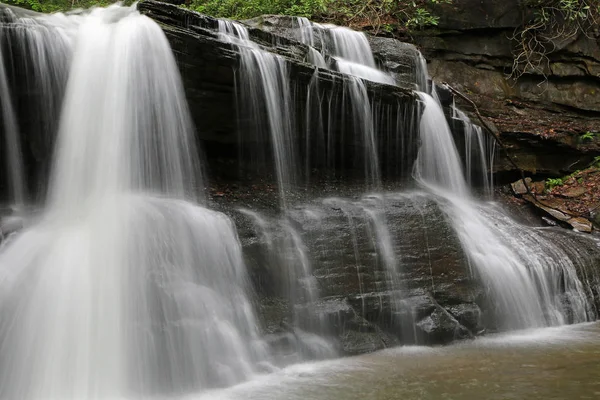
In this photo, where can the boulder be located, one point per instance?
(519, 187)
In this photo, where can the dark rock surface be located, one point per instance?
(208, 68)
(428, 298)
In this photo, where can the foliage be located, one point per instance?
(551, 183)
(243, 9)
(549, 23)
(49, 6)
(386, 15)
(554, 182)
(587, 136)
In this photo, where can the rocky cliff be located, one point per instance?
(362, 306)
(544, 115)
(411, 282)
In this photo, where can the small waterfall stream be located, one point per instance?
(264, 95)
(38, 71)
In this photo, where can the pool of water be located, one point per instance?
(551, 363)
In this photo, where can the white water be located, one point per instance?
(527, 287)
(438, 161)
(36, 52)
(12, 143)
(348, 50)
(288, 261)
(522, 270)
(362, 123)
(479, 149)
(353, 55)
(265, 98)
(350, 45)
(125, 287)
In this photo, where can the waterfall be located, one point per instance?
(34, 54)
(438, 161)
(526, 275)
(478, 153)
(13, 145)
(362, 123)
(125, 287)
(352, 54)
(264, 98)
(534, 296)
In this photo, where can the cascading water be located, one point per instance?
(34, 56)
(124, 287)
(478, 153)
(532, 297)
(13, 146)
(524, 285)
(352, 54)
(264, 95)
(363, 124)
(306, 35)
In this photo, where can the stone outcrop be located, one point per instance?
(573, 200)
(429, 298)
(541, 118)
(208, 70)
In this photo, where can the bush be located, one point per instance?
(50, 6)
(386, 15)
(244, 9)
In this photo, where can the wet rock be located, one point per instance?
(518, 187)
(556, 208)
(580, 224)
(549, 221)
(441, 327)
(208, 67)
(9, 225)
(572, 192)
(468, 315)
(333, 313)
(355, 342)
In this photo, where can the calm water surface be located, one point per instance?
(552, 363)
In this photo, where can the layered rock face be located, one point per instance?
(367, 272)
(363, 303)
(543, 114)
(208, 67)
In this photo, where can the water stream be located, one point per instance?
(553, 363)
